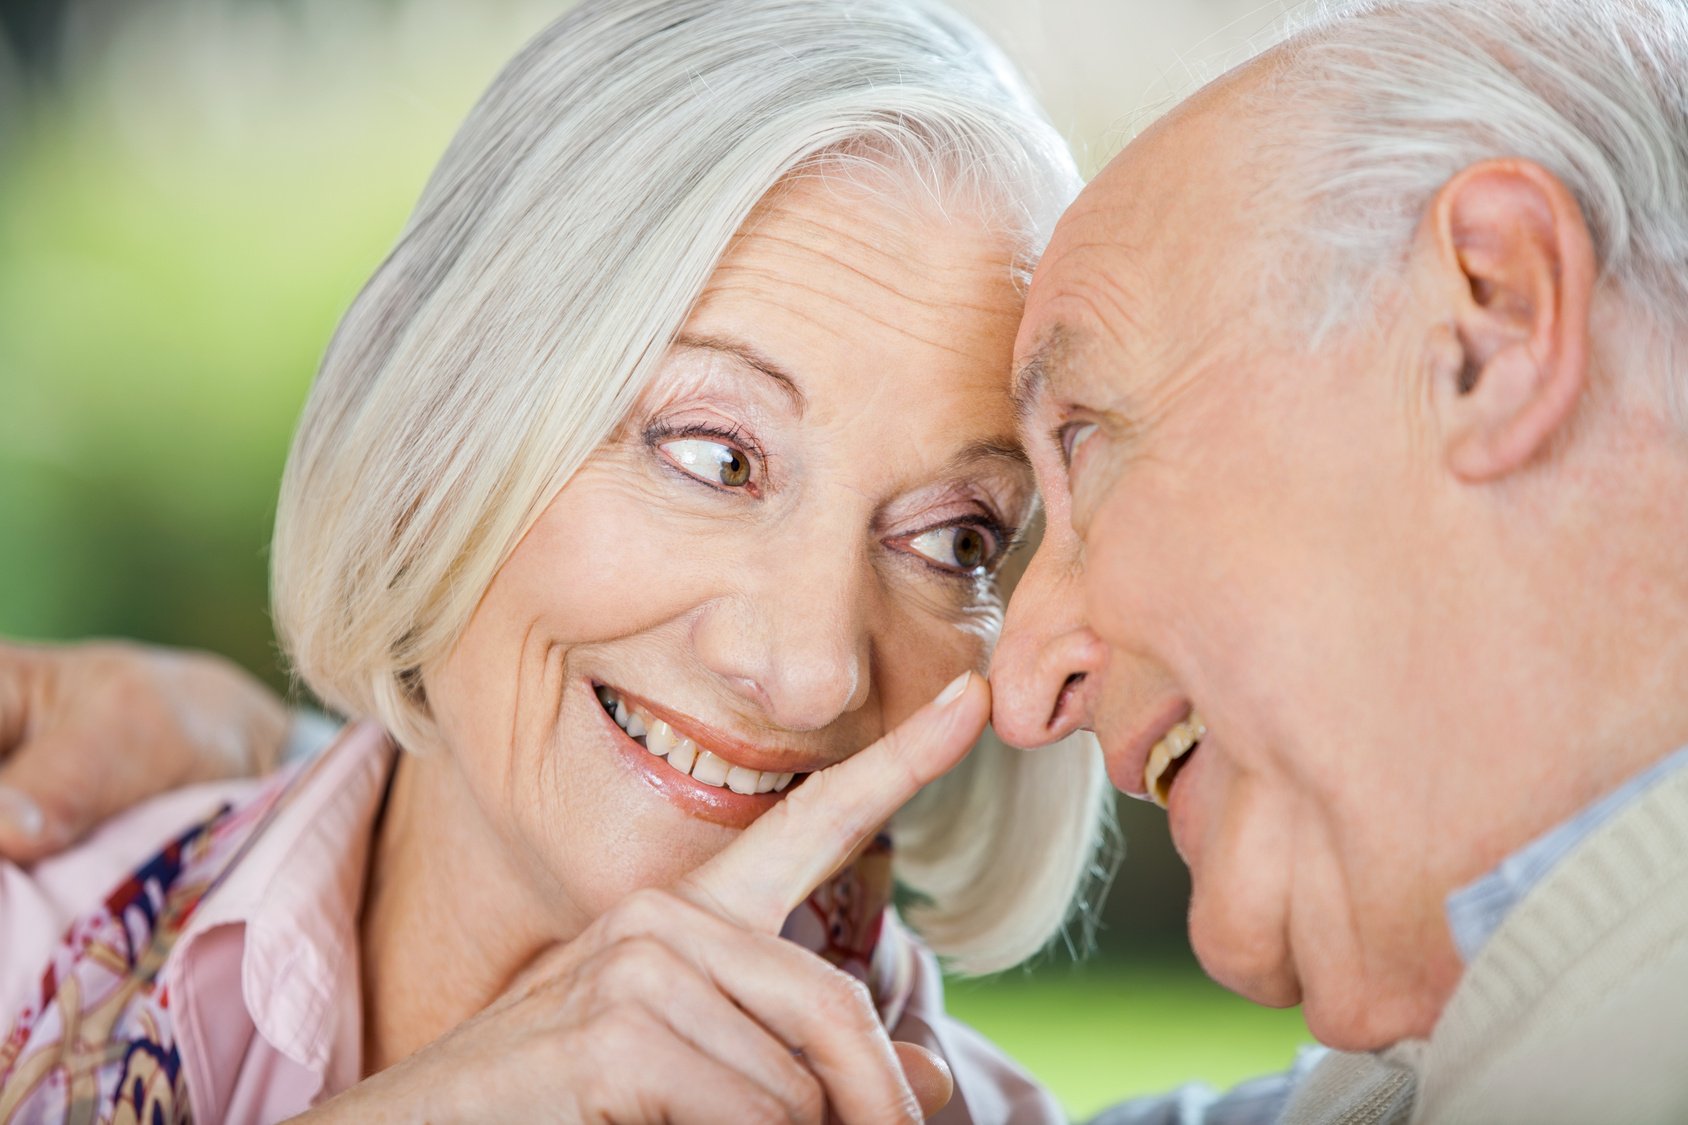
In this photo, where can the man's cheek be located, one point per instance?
(1138, 593)
(1118, 558)
(1113, 588)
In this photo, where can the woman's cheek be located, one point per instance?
(920, 653)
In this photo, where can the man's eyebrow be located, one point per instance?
(750, 357)
(1031, 380)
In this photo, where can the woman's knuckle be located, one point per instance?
(846, 1001)
(639, 961)
(762, 1108)
(644, 911)
(800, 1092)
(621, 1027)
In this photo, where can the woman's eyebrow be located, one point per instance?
(751, 358)
(1005, 449)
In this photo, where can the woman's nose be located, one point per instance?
(1048, 667)
(793, 641)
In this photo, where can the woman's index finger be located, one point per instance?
(791, 849)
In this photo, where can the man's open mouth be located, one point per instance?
(684, 754)
(1169, 755)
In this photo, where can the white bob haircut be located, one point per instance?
(554, 255)
(1392, 98)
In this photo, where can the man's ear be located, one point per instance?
(1516, 273)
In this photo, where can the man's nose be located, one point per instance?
(1047, 671)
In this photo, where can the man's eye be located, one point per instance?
(712, 461)
(1073, 435)
(962, 548)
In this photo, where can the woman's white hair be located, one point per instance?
(555, 252)
(1397, 96)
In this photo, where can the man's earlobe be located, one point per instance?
(1513, 249)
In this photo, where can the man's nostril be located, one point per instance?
(1063, 697)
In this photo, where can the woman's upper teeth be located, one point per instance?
(1159, 770)
(684, 755)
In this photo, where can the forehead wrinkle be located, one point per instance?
(1101, 291)
(800, 250)
(897, 256)
(1102, 252)
(784, 283)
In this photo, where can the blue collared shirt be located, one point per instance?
(1476, 910)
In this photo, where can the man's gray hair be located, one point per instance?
(1395, 97)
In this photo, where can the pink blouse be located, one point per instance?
(220, 981)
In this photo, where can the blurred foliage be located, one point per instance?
(183, 217)
(185, 210)
(1102, 1033)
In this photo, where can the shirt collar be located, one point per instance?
(292, 903)
(1476, 911)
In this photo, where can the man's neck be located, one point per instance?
(1594, 676)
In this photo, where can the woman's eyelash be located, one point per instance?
(658, 432)
(1003, 538)
(661, 433)
(1001, 535)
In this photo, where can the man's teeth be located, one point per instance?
(683, 754)
(1161, 767)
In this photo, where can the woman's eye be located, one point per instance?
(1073, 435)
(713, 461)
(957, 548)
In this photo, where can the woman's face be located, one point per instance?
(788, 547)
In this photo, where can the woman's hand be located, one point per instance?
(682, 1005)
(89, 730)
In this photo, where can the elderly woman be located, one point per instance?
(665, 463)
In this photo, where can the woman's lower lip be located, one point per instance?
(717, 805)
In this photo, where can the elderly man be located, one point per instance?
(1358, 391)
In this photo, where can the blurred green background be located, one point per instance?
(190, 193)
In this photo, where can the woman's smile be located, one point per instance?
(702, 771)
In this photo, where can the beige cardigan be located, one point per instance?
(1576, 1010)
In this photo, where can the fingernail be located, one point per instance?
(20, 815)
(953, 692)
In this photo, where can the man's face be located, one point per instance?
(1247, 533)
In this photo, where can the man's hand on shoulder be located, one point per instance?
(89, 730)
